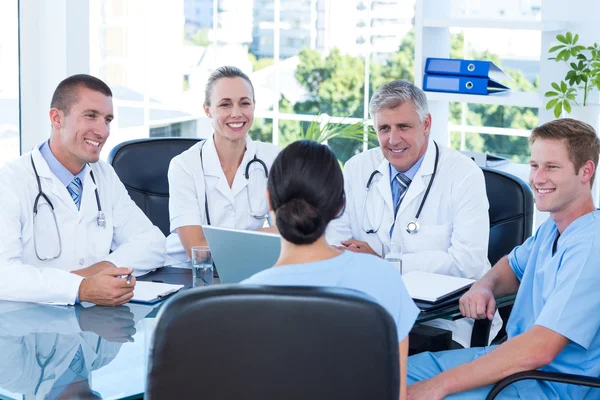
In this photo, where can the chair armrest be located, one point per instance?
(543, 376)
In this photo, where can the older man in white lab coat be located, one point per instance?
(70, 231)
(414, 196)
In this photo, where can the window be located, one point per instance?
(9, 81)
(305, 59)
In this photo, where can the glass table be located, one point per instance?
(86, 351)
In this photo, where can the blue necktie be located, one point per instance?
(75, 188)
(401, 183)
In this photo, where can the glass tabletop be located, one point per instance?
(87, 351)
(55, 352)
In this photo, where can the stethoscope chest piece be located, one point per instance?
(412, 227)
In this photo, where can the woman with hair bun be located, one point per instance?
(306, 191)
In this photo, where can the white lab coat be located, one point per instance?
(128, 240)
(454, 221)
(228, 207)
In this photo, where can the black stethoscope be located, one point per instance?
(100, 218)
(413, 225)
(246, 175)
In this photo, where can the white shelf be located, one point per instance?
(495, 23)
(517, 99)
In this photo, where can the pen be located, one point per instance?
(129, 279)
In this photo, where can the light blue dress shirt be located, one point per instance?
(62, 173)
(349, 270)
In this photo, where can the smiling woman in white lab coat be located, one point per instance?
(221, 181)
(66, 219)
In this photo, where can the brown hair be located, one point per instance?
(65, 94)
(581, 140)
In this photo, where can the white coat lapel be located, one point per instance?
(383, 186)
(51, 185)
(88, 199)
(418, 183)
(212, 169)
(240, 181)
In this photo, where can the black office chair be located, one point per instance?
(267, 342)
(545, 376)
(511, 221)
(142, 166)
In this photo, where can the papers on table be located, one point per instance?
(151, 292)
(432, 288)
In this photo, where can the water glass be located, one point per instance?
(395, 257)
(396, 260)
(202, 266)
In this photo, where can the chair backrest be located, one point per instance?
(268, 342)
(142, 166)
(511, 212)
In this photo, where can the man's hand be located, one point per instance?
(426, 390)
(478, 302)
(114, 324)
(93, 269)
(358, 246)
(107, 288)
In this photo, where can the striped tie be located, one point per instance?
(75, 188)
(404, 182)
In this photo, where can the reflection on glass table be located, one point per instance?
(56, 352)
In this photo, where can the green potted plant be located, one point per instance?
(582, 77)
(322, 129)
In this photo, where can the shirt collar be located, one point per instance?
(62, 173)
(412, 171)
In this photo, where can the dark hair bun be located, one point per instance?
(300, 222)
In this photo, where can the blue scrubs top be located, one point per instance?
(561, 292)
(381, 280)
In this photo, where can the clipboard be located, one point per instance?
(430, 288)
(153, 292)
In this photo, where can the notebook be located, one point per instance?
(152, 292)
(432, 288)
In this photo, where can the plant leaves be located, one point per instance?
(558, 109)
(569, 37)
(550, 94)
(567, 106)
(551, 103)
(561, 38)
(563, 87)
(553, 49)
(555, 86)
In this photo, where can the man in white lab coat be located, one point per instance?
(416, 197)
(70, 232)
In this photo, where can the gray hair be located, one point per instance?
(396, 93)
(224, 72)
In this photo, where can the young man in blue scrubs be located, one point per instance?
(554, 325)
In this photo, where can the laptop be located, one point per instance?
(239, 254)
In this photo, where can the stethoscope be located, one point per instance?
(412, 226)
(44, 365)
(100, 218)
(246, 175)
